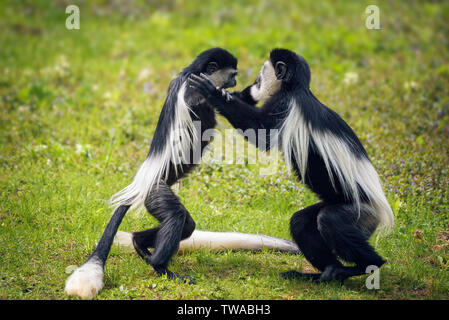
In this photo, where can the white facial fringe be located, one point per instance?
(269, 84)
(296, 136)
(182, 138)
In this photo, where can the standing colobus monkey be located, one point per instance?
(325, 154)
(175, 150)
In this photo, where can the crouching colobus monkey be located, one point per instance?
(325, 154)
(175, 150)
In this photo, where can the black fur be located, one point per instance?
(176, 223)
(104, 245)
(333, 228)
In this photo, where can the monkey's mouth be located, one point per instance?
(230, 84)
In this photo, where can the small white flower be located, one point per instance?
(351, 78)
(144, 74)
(410, 85)
(82, 148)
(23, 109)
(40, 147)
(62, 66)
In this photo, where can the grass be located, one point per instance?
(78, 109)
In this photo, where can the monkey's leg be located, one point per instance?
(143, 240)
(147, 238)
(175, 224)
(87, 280)
(304, 230)
(338, 226)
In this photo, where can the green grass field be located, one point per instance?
(79, 107)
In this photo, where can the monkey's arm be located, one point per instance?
(240, 114)
(245, 96)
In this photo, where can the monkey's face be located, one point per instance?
(221, 78)
(267, 83)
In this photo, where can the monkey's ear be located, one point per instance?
(211, 67)
(280, 69)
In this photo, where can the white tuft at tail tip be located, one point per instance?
(86, 281)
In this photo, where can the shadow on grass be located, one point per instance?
(263, 267)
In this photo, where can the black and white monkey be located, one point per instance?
(325, 154)
(175, 150)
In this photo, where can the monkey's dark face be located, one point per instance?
(222, 78)
(284, 69)
(268, 82)
(219, 65)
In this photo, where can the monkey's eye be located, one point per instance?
(211, 67)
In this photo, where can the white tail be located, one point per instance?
(220, 241)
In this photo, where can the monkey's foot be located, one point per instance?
(340, 273)
(185, 279)
(293, 274)
(174, 276)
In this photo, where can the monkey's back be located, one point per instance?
(204, 119)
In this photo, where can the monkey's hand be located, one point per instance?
(206, 88)
(226, 94)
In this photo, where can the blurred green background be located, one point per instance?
(79, 107)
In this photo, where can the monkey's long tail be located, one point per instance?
(221, 241)
(86, 281)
